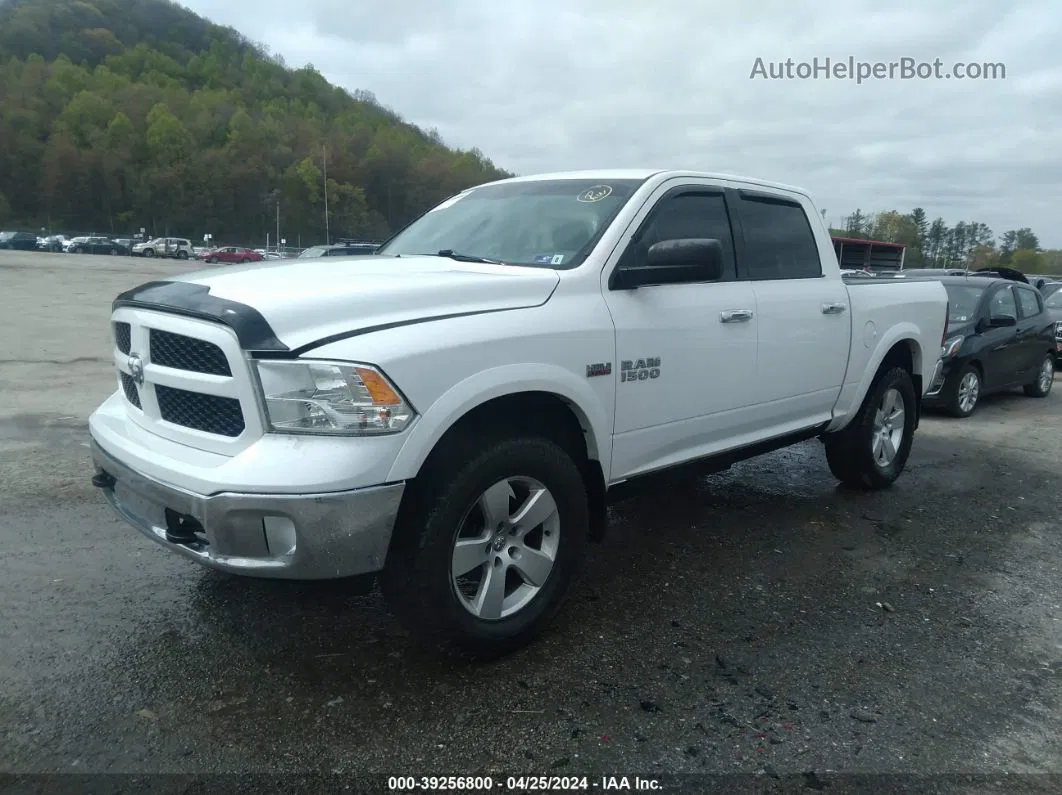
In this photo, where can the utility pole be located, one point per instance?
(278, 224)
(324, 158)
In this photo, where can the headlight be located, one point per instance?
(951, 346)
(335, 398)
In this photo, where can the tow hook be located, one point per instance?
(103, 480)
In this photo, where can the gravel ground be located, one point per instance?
(762, 623)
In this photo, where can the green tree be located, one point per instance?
(118, 113)
(1028, 260)
(857, 225)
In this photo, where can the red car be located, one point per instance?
(231, 254)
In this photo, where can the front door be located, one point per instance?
(686, 352)
(1002, 356)
(1031, 322)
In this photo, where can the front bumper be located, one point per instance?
(288, 536)
(936, 385)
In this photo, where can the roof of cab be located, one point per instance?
(646, 173)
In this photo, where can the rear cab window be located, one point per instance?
(779, 241)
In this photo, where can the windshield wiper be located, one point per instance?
(449, 252)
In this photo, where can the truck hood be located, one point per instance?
(307, 302)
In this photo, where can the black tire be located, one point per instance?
(416, 580)
(182, 255)
(956, 406)
(213, 260)
(1041, 388)
(114, 252)
(148, 252)
(850, 451)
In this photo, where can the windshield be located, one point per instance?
(316, 251)
(545, 223)
(963, 300)
(1054, 300)
(6, 235)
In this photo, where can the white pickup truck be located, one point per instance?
(452, 412)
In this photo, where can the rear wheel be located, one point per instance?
(1045, 377)
(182, 255)
(872, 450)
(487, 544)
(966, 395)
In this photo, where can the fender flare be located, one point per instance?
(498, 382)
(901, 332)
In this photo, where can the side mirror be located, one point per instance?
(1002, 321)
(675, 262)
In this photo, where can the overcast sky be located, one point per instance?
(545, 85)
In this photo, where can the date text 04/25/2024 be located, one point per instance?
(520, 783)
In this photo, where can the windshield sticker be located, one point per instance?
(595, 194)
(548, 259)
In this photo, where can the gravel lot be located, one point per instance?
(728, 626)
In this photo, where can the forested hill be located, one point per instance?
(121, 114)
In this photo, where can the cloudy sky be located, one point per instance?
(544, 85)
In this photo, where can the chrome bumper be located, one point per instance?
(289, 536)
(938, 380)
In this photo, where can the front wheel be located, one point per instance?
(148, 252)
(967, 393)
(872, 450)
(1045, 377)
(487, 544)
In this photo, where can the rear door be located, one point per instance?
(1002, 357)
(686, 353)
(804, 319)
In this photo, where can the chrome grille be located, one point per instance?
(122, 337)
(186, 380)
(187, 353)
(207, 413)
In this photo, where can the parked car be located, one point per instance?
(1000, 336)
(454, 412)
(911, 272)
(1047, 286)
(22, 241)
(340, 249)
(53, 243)
(177, 247)
(99, 245)
(230, 254)
(1053, 305)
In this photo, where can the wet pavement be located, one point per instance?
(762, 621)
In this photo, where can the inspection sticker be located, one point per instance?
(595, 194)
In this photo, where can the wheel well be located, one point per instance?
(907, 355)
(543, 414)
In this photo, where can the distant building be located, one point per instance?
(875, 255)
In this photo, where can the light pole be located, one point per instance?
(324, 159)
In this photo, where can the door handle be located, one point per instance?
(735, 315)
(833, 309)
